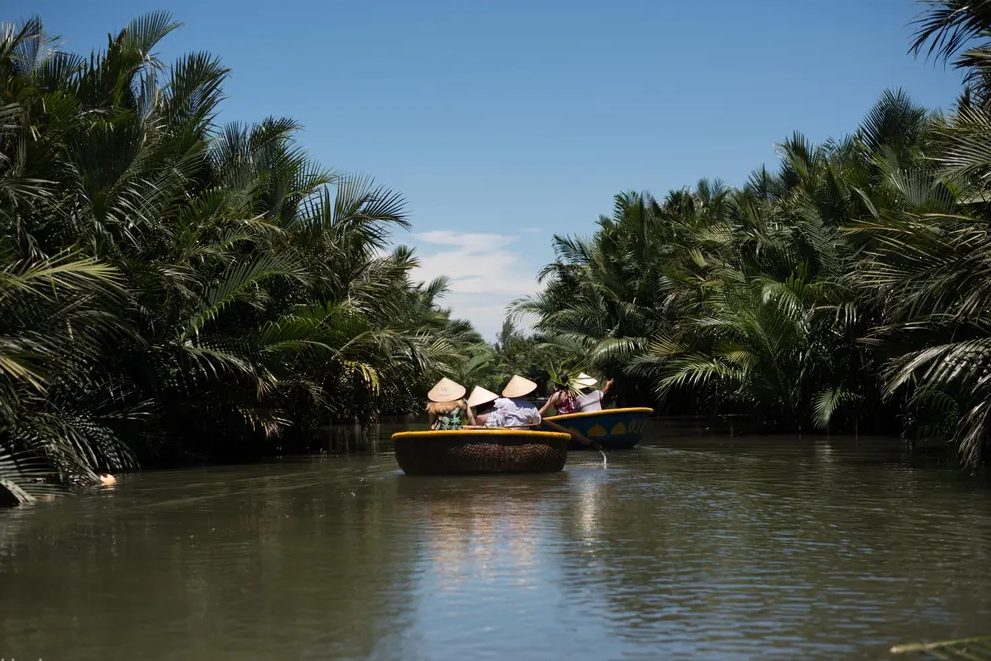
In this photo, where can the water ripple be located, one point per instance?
(685, 547)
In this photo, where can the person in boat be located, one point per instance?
(513, 409)
(592, 401)
(564, 399)
(447, 408)
(481, 403)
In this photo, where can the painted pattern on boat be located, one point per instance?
(611, 428)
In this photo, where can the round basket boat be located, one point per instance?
(466, 451)
(614, 429)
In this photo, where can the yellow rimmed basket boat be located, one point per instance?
(467, 451)
(613, 429)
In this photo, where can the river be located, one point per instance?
(689, 546)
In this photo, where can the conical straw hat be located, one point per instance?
(446, 390)
(518, 387)
(480, 395)
(585, 381)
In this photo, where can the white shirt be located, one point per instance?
(591, 401)
(513, 413)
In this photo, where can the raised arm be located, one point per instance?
(551, 401)
(606, 388)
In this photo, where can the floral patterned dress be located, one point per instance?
(451, 420)
(566, 404)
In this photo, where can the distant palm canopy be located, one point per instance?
(171, 288)
(851, 286)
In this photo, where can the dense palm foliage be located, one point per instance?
(850, 286)
(173, 286)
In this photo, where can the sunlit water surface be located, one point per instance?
(688, 546)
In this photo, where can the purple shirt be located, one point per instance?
(513, 413)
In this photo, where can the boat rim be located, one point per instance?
(590, 414)
(513, 433)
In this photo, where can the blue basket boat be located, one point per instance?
(613, 429)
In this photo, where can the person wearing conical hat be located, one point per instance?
(564, 399)
(513, 409)
(584, 381)
(447, 408)
(518, 387)
(481, 403)
(592, 401)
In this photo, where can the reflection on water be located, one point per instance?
(470, 534)
(691, 545)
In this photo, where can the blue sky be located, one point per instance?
(503, 123)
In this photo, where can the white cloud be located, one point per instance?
(485, 271)
(465, 240)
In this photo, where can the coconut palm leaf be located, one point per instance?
(234, 283)
(962, 648)
(949, 25)
(29, 473)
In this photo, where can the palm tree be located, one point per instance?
(56, 319)
(158, 268)
(745, 297)
(926, 250)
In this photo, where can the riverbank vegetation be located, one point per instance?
(174, 288)
(847, 288)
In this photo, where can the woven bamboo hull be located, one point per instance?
(468, 451)
(613, 429)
